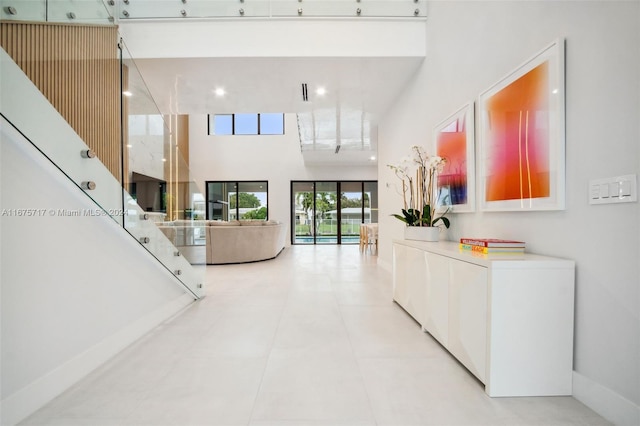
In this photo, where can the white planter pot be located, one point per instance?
(422, 233)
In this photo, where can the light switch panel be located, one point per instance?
(617, 189)
(625, 188)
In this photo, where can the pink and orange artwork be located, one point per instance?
(451, 145)
(522, 136)
(518, 134)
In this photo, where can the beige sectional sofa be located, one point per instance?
(243, 241)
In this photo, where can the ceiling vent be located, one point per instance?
(305, 93)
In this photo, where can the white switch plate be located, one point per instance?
(613, 190)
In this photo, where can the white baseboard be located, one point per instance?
(610, 405)
(26, 401)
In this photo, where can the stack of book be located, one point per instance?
(491, 246)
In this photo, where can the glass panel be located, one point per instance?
(272, 124)
(350, 211)
(165, 209)
(14, 10)
(99, 11)
(72, 11)
(69, 11)
(231, 190)
(371, 202)
(217, 201)
(382, 8)
(303, 223)
(209, 8)
(326, 213)
(252, 198)
(152, 9)
(193, 9)
(246, 124)
(222, 124)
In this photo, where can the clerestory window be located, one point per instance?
(246, 124)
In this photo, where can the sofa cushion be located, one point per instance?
(223, 223)
(252, 222)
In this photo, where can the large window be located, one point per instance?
(233, 200)
(246, 124)
(330, 212)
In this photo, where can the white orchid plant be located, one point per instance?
(418, 174)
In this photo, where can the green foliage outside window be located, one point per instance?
(247, 200)
(260, 213)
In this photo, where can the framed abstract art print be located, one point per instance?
(522, 136)
(454, 139)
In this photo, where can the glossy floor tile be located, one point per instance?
(311, 338)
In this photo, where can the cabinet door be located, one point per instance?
(437, 297)
(468, 316)
(409, 280)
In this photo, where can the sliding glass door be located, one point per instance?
(303, 201)
(326, 221)
(330, 212)
(351, 211)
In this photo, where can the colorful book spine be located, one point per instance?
(491, 250)
(491, 242)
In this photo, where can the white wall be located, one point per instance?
(471, 45)
(277, 159)
(75, 289)
(285, 38)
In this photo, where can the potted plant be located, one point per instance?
(418, 174)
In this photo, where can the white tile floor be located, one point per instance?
(310, 338)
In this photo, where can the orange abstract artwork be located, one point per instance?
(519, 139)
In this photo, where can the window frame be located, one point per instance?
(363, 185)
(237, 192)
(211, 125)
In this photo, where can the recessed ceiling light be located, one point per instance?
(164, 159)
(372, 158)
(127, 93)
(219, 91)
(321, 91)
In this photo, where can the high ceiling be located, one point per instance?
(358, 92)
(262, 67)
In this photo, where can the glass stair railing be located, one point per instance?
(102, 11)
(25, 108)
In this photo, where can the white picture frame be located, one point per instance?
(522, 136)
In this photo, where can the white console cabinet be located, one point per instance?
(507, 319)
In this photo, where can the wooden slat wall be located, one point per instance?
(176, 169)
(77, 68)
